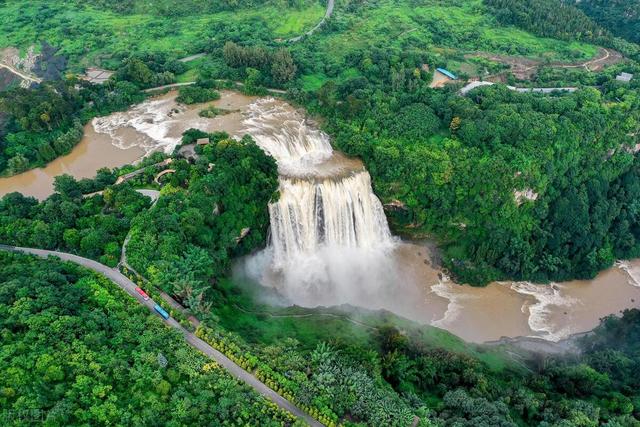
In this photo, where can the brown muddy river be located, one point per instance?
(511, 309)
(123, 138)
(399, 277)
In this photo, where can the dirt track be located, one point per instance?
(524, 68)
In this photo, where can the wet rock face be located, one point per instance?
(48, 65)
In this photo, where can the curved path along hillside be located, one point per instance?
(130, 288)
(327, 15)
(20, 74)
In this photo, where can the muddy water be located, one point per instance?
(92, 153)
(550, 311)
(123, 138)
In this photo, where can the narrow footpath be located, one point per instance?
(130, 288)
(178, 85)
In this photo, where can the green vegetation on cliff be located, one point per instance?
(208, 213)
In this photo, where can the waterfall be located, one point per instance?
(329, 212)
(284, 134)
(330, 241)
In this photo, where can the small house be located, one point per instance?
(447, 73)
(441, 77)
(202, 141)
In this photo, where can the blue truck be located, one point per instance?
(161, 311)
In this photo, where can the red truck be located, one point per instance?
(143, 294)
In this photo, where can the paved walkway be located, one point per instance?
(177, 85)
(192, 57)
(171, 86)
(130, 288)
(152, 194)
(546, 90)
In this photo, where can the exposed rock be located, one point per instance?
(395, 205)
(527, 194)
(243, 234)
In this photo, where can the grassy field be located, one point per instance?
(89, 36)
(447, 30)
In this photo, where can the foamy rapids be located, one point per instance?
(152, 121)
(632, 271)
(546, 297)
(285, 135)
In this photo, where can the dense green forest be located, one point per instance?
(548, 18)
(93, 227)
(574, 151)
(76, 350)
(621, 17)
(562, 20)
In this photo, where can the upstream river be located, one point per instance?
(124, 138)
(330, 243)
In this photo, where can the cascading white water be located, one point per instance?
(330, 212)
(330, 245)
(330, 241)
(283, 133)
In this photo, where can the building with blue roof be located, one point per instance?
(447, 73)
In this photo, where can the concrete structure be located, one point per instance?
(128, 176)
(96, 75)
(624, 77)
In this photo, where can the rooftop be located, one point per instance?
(447, 73)
(624, 77)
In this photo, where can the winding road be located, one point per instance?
(130, 288)
(327, 15)
(20, 74)
(546, 90)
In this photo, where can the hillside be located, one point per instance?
(103, 32)
(621, 17)
(508, 184)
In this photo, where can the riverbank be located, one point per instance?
(126, 137)
(403, 277)
(94, 151)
